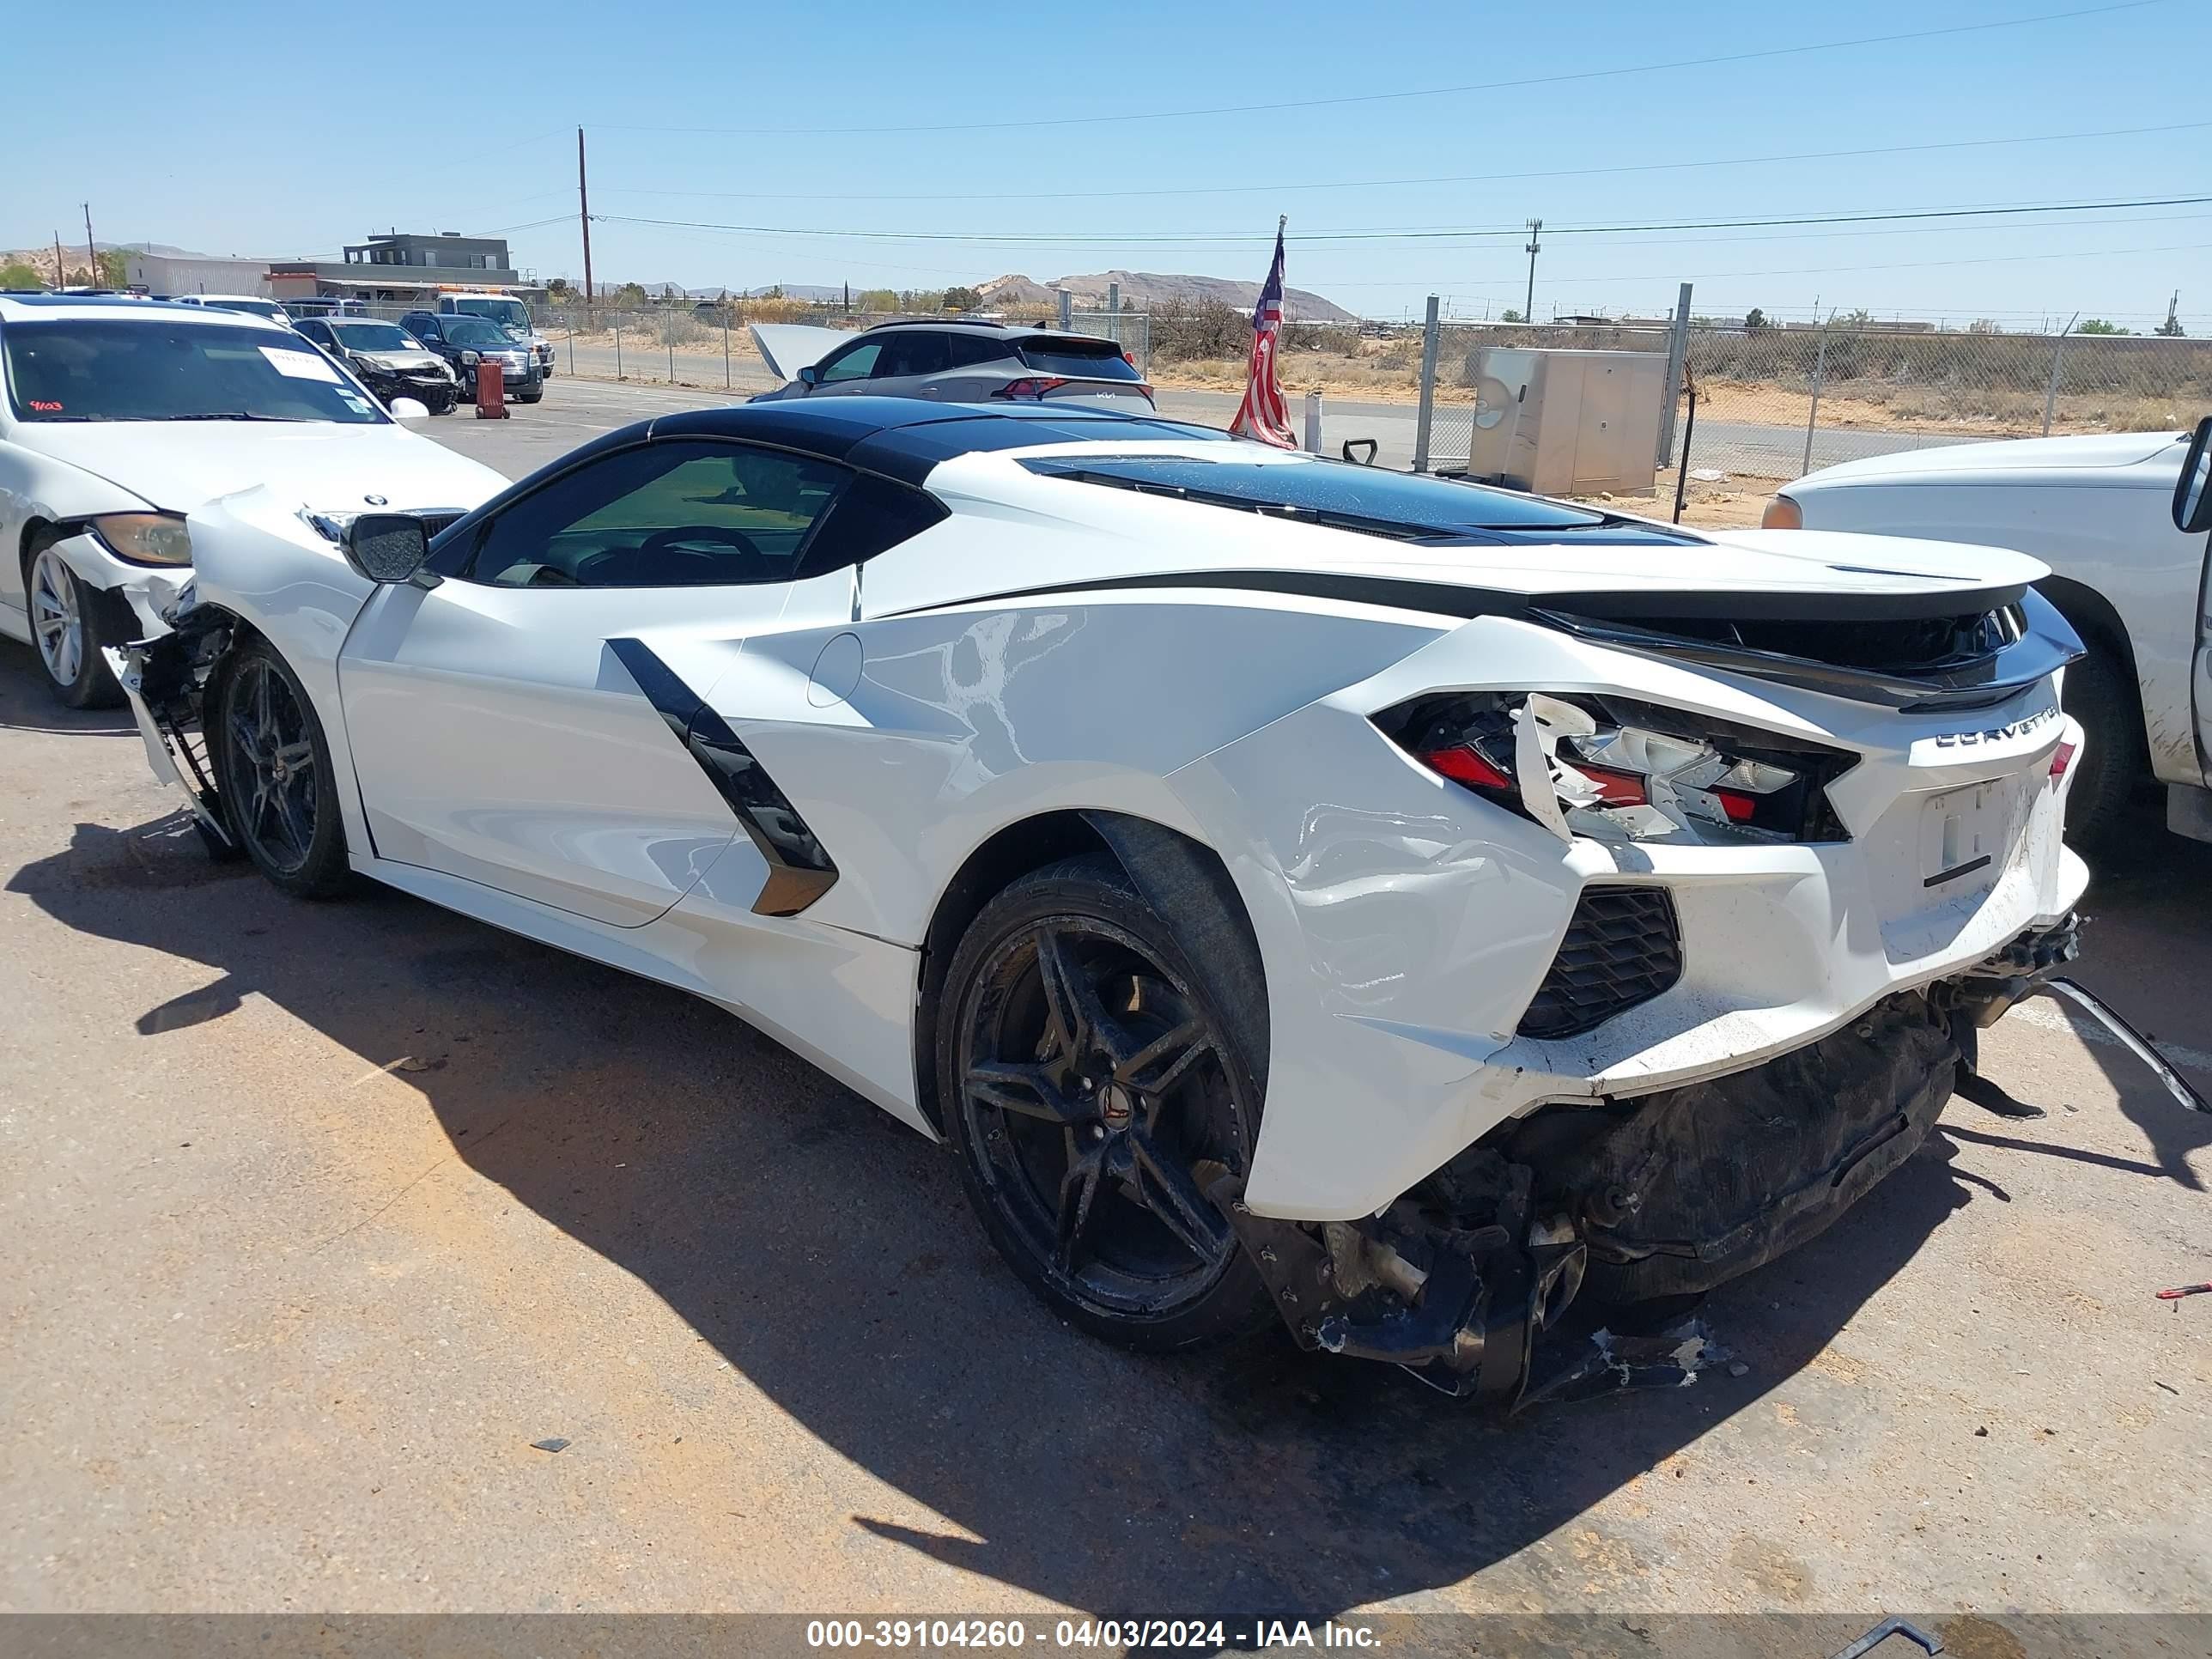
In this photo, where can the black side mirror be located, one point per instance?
(809, 375)
(2192, 493)
(1370, 446)
(386, 547)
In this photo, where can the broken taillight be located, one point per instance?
(1624, 768)
(2061, 758)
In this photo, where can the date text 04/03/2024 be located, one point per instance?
(1210, 1634)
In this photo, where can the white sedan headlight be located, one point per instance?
(145, 537)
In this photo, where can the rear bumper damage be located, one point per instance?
(1505, 1275)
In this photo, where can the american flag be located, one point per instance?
(1263, 414)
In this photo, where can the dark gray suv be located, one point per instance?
(972, 363)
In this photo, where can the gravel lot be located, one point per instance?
(317, 1216)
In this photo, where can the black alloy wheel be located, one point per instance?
(276, 777)
(1096, 1099)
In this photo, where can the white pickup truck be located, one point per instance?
(2124, 521)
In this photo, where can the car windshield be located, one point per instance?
(267, 308)
(475, 332)
(153, 369)
(374, 337)
(509, 313)
(1365, 498)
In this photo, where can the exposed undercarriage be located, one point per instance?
(1627, 1212)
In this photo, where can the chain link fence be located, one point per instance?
(1130, 329)
(1775, 402)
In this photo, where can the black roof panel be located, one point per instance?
(905, 437)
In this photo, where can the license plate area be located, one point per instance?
(1965, 836)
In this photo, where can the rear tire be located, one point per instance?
(272, 765)
(1094, 1093)
(65, 632)
(2100, 692)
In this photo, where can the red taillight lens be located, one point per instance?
(2061, 758)
(1032, 389)
(1739, 806)
(1463, 765)
(1128, 359)
(1615, 787)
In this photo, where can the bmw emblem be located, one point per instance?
(373, 500)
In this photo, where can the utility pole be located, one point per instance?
(1536, 225)
(60, 276)
(584, 218)
(91, 257)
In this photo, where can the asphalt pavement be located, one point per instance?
(319, 1215)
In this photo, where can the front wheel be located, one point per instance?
(1095, 1094)
(273, 767)
(64, 623)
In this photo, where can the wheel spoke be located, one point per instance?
(1069, 998)
(299, 822)
(298, 756)
(261, 719)
(1078, 1189)
(1169, 1193)
(1156, 1068)
(1028, 1090)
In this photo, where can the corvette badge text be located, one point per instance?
(2019, 728)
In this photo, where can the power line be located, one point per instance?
(1423, 92)
(1384, 184)
(1204, 239)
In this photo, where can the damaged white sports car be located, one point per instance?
(1428, 912)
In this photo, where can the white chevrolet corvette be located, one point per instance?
(1410, 907)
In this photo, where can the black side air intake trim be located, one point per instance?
(1622, 947)
(798, 871)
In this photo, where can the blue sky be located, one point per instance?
(287, 130)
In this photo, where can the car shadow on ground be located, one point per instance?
(27, 706)
(827, 1253)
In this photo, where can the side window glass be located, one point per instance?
(970, 350)
(682, 513)
(872, 515)
(853, 363)
(922, 352)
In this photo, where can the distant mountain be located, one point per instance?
(1150, 287)
(1014, 291)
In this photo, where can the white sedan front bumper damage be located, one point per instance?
(150, 591)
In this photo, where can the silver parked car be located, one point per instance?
(962, 363)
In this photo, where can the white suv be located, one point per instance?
(118, 417)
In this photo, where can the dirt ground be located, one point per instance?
(317, 1217)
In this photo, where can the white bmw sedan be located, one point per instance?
(119, 417)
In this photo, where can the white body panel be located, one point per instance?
(507, 766)
(2097, 511)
